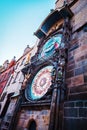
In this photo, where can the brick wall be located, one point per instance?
(76, 75)
(77, 59)
(75, 115)
(79, 19)
(76, 72)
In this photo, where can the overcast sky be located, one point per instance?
(19, 19)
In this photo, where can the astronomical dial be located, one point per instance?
(49, 47)
(40, 84)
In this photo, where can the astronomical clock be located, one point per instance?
(44, 75)
(49, 47)
(40, 84)
(42, 79)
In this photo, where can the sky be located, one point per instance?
(19, 19)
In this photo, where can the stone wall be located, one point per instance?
(79, 19)
(77, 54)
(75, 115)
(41, 117)
(77, 59)
(76, 72)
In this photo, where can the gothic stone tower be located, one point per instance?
(45, 90)
(75, 108)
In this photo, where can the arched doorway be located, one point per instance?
(32, 125)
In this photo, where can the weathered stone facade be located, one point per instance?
(41, 118)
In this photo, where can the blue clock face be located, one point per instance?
(40, 84)
(49, 47)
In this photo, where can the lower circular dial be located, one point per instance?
(40, 84)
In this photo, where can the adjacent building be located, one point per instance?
(5, 72)
(15, 82)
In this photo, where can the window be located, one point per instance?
(3, 96)
(22, 61)
(10, 80)
(5, 78)
(16, 77)
(9, 73)
(16, 65)
(2, 78)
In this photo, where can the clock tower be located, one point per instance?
(45, 90)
